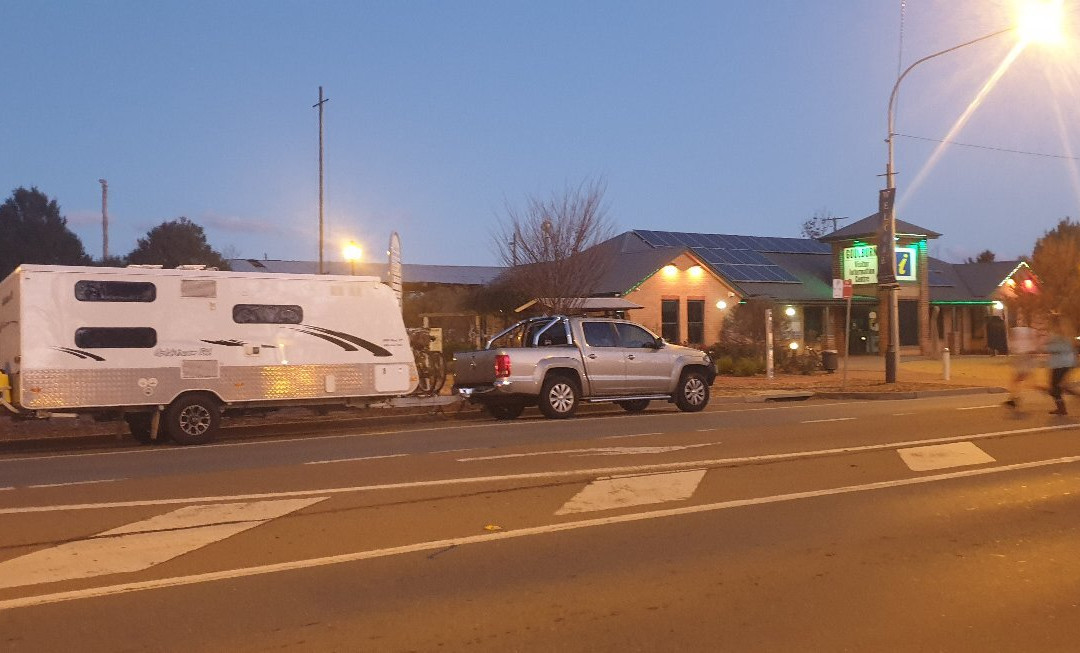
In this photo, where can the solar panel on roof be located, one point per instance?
(766, 244)
(668, 238)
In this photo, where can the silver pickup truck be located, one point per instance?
(558, 362)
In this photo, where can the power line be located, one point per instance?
(990, 147)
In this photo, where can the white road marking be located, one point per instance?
(832, 419)
(638, 490)
(942, 456)
(574, 473)
(350, 460)
(594, 451)
(901, 414)
(104, 480)
(6, 488)
(979, 407)
(435, 545)
(143, 544)
(632, 435)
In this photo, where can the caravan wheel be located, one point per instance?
(193, 418)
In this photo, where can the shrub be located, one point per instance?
(747, 367)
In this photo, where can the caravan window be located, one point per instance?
(267, 314)
(115, 291)
(115, 338)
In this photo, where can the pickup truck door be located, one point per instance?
(605, 363)
(648, 367)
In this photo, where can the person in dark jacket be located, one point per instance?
(1061, 359)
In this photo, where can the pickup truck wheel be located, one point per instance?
(558, 397)
(692, 394)
(634, 405)
(505, 411)
(193, 419)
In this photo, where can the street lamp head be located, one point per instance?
(352, 252)
(1041, 21)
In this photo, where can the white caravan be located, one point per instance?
(180, 347)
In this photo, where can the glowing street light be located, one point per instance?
(1038, 21)
(352, 253)
(1041, 21)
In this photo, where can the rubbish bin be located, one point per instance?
(829, 360)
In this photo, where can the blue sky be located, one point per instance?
(722, 117)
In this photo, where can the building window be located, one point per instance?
(695, 321)
(115, 291)
(267, 314)
(669, 319)
(115, 338)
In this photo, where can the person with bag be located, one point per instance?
(1023, 343)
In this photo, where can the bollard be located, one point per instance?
(945, 363)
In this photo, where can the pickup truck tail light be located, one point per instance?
(502, 366)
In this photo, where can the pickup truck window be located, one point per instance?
(510, 338)
(632, 335)
(599, 334)
(554, 334)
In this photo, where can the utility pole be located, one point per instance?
(104, 219)
(319, 105)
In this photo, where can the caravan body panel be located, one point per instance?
(96, 337)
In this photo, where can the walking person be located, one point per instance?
(1061, 360)
(1023, 343)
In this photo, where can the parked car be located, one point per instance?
(558, 362)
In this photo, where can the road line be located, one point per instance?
(901, 414)
(601, 471)
(832, 419)
(636, 490)
(104, 480)
(143, 544)
(979, 407)
(177, 581)
(595, 451)
(351, 460)
(632, 435)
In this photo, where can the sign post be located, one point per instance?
(842, 289)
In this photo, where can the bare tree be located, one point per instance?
(550, 245)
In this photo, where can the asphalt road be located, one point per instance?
(929, 524)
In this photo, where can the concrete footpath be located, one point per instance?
(917, 377)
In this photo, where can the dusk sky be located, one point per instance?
(718, 117)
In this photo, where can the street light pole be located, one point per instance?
(887, 206)
(104, 219)
(319, 105)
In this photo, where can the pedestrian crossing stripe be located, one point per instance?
(143, 544)
(635, 490)
(943, 456)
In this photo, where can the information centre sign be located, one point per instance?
(860, 264)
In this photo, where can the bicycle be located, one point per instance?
(430, 365)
